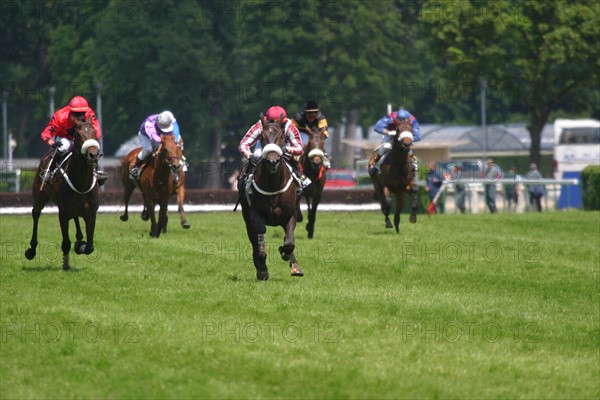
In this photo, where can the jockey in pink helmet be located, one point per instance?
(60, 131)
(293, 144)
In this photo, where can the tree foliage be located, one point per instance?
(218, 64)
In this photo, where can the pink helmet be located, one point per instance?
(274, 112)
(78, 104)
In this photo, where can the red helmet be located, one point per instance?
(274, 112)
(78, 104)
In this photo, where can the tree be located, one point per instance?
(538, 53)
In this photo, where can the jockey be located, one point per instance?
(311, 117)
(292, 141)
(386, 126)
(178, 139)
(60, 131)
(150, 135)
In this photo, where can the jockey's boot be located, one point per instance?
(376, 168)
(326, 162)
(134, 173)
(101, 176)
(184, 164)
(304, 181)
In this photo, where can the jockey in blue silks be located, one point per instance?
(386, 126)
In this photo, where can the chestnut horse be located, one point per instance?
(396, 177)
(270, 199)
(157, 181)
(73, 189)
(313, 168)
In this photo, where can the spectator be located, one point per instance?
(433, 183)
(535, 191)
(460, 188)
(511, 190)
(492, 174)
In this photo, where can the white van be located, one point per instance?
(576, 145)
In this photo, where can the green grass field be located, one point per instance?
(473, 306)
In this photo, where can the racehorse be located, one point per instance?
(73, 189)
(312, 165)
(158, 179)
(270, 199)
(180, 192)
(396, 176)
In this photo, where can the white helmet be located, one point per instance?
(164, 122)
(170, 114)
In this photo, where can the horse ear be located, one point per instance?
(281, 117)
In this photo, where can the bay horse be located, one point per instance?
(270, 199)
(157, 180)
(180, 193)
(396, 177)
(313, 168)
(73, 189)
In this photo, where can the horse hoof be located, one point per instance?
(388, 225)
(262, 275)
(145, 216)
(66, 267)
(286, 251)
(295, 270)
(413, 219)
(124, 218)
(185, 225)
(30, 254)
(89, 249)
(80, 247)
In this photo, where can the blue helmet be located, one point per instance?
(402, 113)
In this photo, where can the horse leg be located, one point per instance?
(386, 206)
(31, 251)
(144, 215)
(415, 203)
(129, 188)
(66, 241)
(79, 243)
(399, 207)
(299, 216)
(180, 200)
(90, 227)
(154, 232)
(40, 199)
(162, 217)
(312, 217)
(287, 250)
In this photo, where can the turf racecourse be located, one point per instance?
(456, 306)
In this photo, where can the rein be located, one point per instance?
(68, 180)
(286, 187)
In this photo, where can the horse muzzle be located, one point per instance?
(91, 149)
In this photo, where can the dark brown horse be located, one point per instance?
(313, 168)
(270, 199)
(158, 179)
(396, 177)
(73, 189)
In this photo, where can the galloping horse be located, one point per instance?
(312, 164)
(270, 199)
(396, 177)
(180, 192)
(158, 180)
(73, 189)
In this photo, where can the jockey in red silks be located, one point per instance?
(150, 135)
(293, 144)
(386, 126)
(60, 131)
